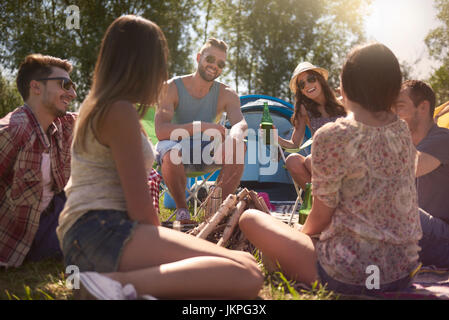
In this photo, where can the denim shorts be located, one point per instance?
(353, 289)
(96, 241)
(193, 160)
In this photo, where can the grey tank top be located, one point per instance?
(192, 109)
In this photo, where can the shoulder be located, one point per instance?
(437, 137)
(121, 116)
(227, 95)
(170, 90)
(226, 90)
(439, 133)
(16, 124)
(122, 108)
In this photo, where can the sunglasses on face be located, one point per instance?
(66, 83)
(311, 78)
(220, 63)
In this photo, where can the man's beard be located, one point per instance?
(204, 75)
(51, 107)
(414, 123)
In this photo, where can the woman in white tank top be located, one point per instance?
(109, 227)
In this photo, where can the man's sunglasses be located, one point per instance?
(66, 83)
(220, 63)
(311, 78)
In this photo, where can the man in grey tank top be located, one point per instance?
(186, 118)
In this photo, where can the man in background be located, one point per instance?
(416, 105)
(35, 142)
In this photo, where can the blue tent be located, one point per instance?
(281, 112)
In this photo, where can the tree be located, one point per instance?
(437, 41)
(40, 26)
(269, 38)
(9, 96)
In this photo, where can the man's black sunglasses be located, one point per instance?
(66, 83)
(211, 59)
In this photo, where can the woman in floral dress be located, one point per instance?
(365, 212)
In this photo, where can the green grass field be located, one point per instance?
(46, 280)
(148, 125)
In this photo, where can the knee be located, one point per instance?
(294, 162)
(251, 274)
(248, 218)
(171, 159)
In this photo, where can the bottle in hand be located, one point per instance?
(267, 123)
(306, 206)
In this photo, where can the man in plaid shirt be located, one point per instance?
(35, 142)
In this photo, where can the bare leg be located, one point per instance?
(308, 163)
(293, 250)
(204, 277)
(175, 179)
(296, 165)
(233, 166)
(167, 263)
(230, 176)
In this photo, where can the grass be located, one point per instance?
(46, 280)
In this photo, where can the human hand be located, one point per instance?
(214, 130)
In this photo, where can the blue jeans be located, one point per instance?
(435, 241)
(46, 244)
(353, 289)
(96, 241)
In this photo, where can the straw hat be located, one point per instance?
(303, 67)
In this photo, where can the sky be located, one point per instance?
(402, 25)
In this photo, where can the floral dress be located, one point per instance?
(368, 175)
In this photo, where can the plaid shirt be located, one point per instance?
(22, 142)
(154, 181)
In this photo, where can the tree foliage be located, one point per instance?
(40, 26)
(269, 38)
(437, 42)
(9, 96)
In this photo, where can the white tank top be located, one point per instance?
(47, 193)
(94, 182)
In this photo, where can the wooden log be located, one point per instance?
(242, 194)
(197, 229)
(232, 223)
(264, 205)
(213, 201)
(258, 202)
(222, 212)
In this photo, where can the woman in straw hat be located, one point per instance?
(365, 208)
(315, 105)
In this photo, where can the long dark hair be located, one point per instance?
(333, 107)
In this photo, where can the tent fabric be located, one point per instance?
(281, 112)
(443, 120)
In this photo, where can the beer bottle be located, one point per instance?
(267, 123)
(306, 206)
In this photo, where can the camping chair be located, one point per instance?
(195, 181)
(299, 191)
(197, 185)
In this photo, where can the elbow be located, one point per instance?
(161, 133)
